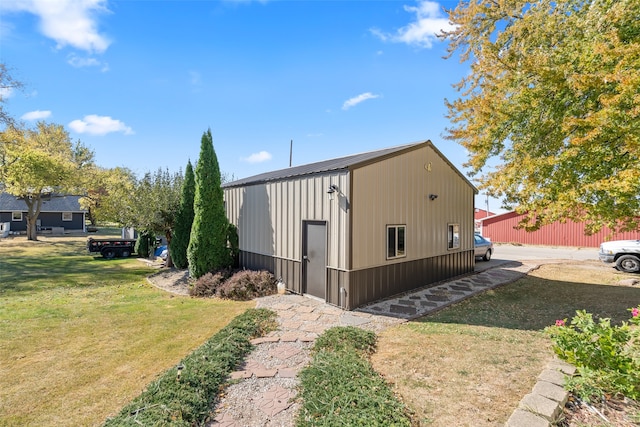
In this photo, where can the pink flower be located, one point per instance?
(560, 323)
(635, 312)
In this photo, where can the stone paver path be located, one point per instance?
(266, 393)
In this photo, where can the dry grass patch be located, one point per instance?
(460, 375)
(470, 364)
(81, 336)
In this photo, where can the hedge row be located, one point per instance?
(184, 394)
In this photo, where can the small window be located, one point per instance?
(395, 241)
(453, 236)
(16, 216)
(67, 216)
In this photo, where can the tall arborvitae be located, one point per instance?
(207, 250)
(184, 220)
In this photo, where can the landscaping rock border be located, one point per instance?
(544, 405)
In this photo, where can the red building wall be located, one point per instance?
(502, 229)
(481, 213)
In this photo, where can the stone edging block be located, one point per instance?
(541, 406)
(546, 401)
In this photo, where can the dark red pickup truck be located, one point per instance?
(111, 248)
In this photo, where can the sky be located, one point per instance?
(140, 81)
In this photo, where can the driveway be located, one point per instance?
(504, 253)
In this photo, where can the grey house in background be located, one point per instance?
(58, 211)
(360, 228)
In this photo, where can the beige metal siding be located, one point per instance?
(269, 216)
(396, 191)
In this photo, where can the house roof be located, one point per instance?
(340, 163)
(53, 203)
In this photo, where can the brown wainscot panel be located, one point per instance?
(337, 280)
(369, 285)
(287, 270)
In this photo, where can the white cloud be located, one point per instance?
(5, 92)
(36, 115)
(260, 157)
(99, 125)
(80, 62)
(358, 99)
(68, 22)
(429, 21)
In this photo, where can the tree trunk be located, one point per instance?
(91, 216)
(169, 260)
(34, 205)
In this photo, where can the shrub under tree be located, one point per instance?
(233, 239)
(145, 244)
(207, 250)
(184, 220)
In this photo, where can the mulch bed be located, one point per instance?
(612, 412)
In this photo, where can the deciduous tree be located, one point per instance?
(148, 204)
(207, 249)
(7, 85)
(158, 200)
(107, 194)
(550, 112)
(41, 162)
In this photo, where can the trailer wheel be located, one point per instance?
(125, 253)
(109, 253)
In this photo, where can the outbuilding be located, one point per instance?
(505, 228)
(360, 228)
(59, 214)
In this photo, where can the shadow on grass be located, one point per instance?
(20, 274)
(533, 303)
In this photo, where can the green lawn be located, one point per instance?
(80, 336)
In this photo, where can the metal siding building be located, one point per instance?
(322, 228)
(502, 228)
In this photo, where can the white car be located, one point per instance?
(625, 253)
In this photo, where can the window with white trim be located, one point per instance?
(67, 216)
(395, 241)
(16, 216)
(453, 236)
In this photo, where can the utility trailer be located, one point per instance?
(111, 248)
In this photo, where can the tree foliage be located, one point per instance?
(550, 112)
(107, 194)
(40, 162)
(156, 201)
(207, 249)
(184, 220)
(7, 84)
(148, 204)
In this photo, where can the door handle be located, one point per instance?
(305, 258)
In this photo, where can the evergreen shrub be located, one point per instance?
(145, 244)
(183, 395)
(341, 388)
(184, 220)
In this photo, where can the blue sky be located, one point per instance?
(139, 81)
